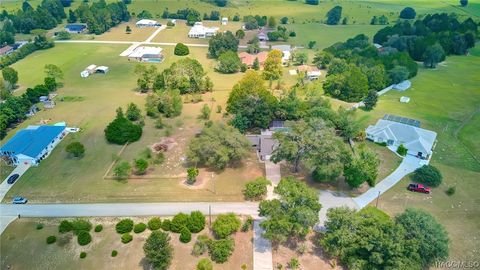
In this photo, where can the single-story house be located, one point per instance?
(75, 28)
(198, 30)
(224, 21)
(286, 53)
(6, 50)
(147, 23)
(146, 54)
(263, 34)
(419, 142)
(33, 144)
(248, 58)
(264, 143)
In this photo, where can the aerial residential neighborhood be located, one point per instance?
(235, 134)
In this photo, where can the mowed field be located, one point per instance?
(446, 100)
(21, 243)
(62, 179)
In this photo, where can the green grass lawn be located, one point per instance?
(24, 247)
(445, 100)
(91, 106)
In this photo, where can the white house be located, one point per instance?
(198, 30)
(286, 53)
(419, 142)
(147, 23)
(146, 54)
(33, 144)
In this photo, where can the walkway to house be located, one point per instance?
(262, 248)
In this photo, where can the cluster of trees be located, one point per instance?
(255, 21)
(382, 20)
(46, 16)
(214, 16)
(123, 130)
(13, 109)
(100, 16)
(356, 67)
(40, 42)
(189, 14)
(218, 146)
(280, 33)
(221, 43)
(430, 39)
(370, 239)
(186, 75)
(292, 215)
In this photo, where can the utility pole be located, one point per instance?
(378, 197)
(210, 216)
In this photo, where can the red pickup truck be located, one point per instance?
(419, 188)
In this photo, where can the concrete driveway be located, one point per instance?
(408, 165)
(5, 187)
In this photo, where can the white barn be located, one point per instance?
(419, 142)
(198, 30)
(147, 23)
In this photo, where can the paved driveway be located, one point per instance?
(408, 165)
(5, 187)
(329, 199)
(262, 249)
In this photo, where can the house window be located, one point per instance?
(390, 142)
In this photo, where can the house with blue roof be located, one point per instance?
(33, 144)
(75, 28)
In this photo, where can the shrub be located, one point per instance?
(247, 225)
(225, 225)
(39, 226)
(197, 222)
(451, 190)
(181, 49)
(205, 264)
(428, 175)
(293, 34)
(79, 225)
(51, 239)
(408, 13)
(126, 238)
(76, 149)
(124, 226)
(83, 255)
(121, 130)
(255, 190)
(185, 235)
(65, 226)
(140, 227)
(220, 250)
(98, 228)
(381, 143)
(401, 150)
(141, 166)
(154, 224)
(201, 245)
(293, 263)
(84, 238)
(243, 67)
(166, 225)
(114, 253)
(179, 221)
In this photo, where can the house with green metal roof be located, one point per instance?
(32, 144)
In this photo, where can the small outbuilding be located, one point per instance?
(224, 21)
(102, 69)
(404, 99)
